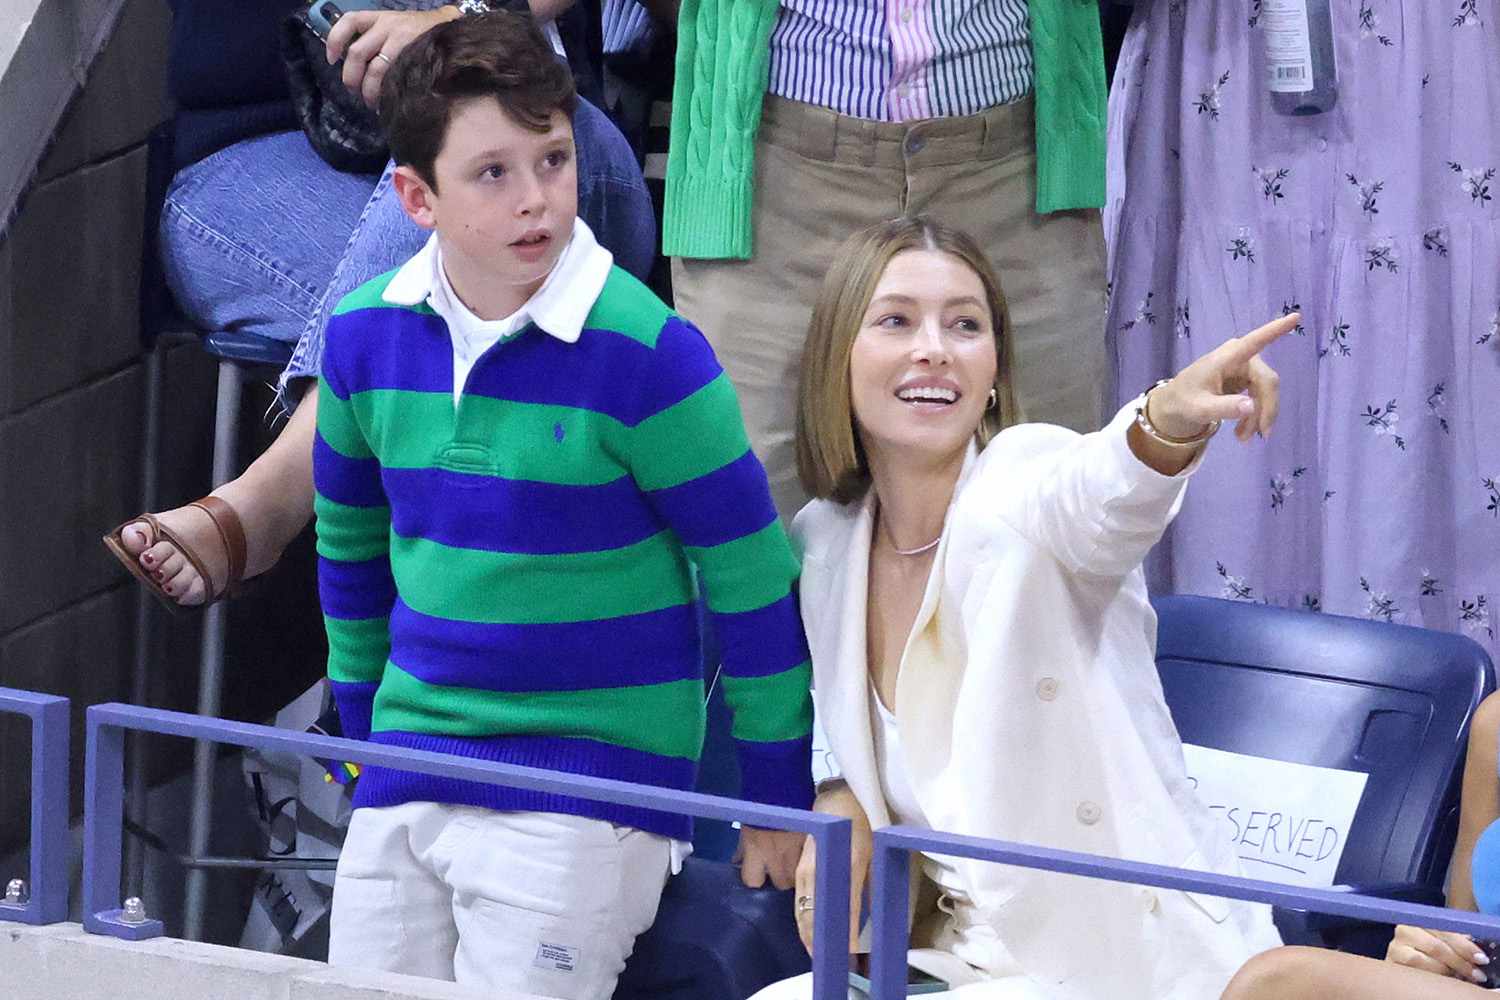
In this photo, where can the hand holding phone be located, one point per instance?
(324, 14)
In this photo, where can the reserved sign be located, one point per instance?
(1288, 822)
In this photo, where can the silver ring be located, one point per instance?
(804, 904)
(382, 55)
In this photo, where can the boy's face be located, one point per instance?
(506, 196)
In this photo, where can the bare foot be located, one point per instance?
(168, 567)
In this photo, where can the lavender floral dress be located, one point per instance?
(1378, 494)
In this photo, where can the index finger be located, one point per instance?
(356, 22)
(1244, 348)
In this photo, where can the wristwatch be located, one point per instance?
(469, 8)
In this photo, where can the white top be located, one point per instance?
(559, 307)
(900, 797)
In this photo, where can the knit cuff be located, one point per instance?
(776, 774)
(1069, 168)
(709, 217)
(356, 705)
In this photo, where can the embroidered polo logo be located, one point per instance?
(557, 432)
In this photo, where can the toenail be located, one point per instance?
(148, 560)
(167, 588)
(159, 575)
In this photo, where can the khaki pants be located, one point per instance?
(820, 176)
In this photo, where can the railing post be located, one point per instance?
(48, 902)
(889, 902)
(103, 814)
(831, 912)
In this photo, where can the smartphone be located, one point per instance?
(917, 983)
(324, 14)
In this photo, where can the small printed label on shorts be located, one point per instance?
(556, 957)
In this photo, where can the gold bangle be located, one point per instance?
(1143, 421)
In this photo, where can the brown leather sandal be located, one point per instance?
(231, 533)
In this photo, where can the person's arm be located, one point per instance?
(690, 455)
(1101, 502)
(360, 34)
(836, 799)
(1440, 951)
(355, 585)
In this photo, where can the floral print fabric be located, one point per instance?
(1378, 493)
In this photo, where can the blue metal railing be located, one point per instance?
(890, 888)
(104, 792)
(48, 881)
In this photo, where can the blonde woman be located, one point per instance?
(983, 649)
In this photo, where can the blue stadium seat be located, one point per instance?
(1390, 700)
(714, 940)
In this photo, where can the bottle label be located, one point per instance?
(1289, 67)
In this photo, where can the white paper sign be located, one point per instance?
(1289, 822)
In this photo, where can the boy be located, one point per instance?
(519, 452)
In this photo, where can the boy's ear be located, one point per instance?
(416, 196)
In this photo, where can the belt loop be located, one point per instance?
(869, 144)
(991, 137)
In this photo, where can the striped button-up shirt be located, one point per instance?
(899, 60)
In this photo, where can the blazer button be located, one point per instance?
(1046, 688)
(1148, 901)
(1089, 813)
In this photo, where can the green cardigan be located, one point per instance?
(723, 63)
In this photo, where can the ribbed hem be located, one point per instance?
(776, 774)
(709, 218)
(382, 786)
(1069, 168)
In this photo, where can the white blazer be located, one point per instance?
(1030, 710)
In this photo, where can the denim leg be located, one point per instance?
(612, 195)
(612, 200)
(382, 238)
(249, 234)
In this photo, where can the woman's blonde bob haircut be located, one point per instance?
(830, 458)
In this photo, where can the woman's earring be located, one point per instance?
(994, 399)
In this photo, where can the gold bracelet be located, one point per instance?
(1143, 421)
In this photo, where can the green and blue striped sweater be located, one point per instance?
(512, 579)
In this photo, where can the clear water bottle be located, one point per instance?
(1301, 72)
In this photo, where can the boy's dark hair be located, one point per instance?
(501, 55)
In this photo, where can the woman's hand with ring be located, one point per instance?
(836, 801)
(370, 40)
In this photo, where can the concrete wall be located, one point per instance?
(72, 393)
(47, 963)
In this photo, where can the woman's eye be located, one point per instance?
(494, 172)
(968, 325)
(891, 322)
(557, 158)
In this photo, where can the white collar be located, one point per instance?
(559, 307)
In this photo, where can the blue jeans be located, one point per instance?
(265, 238)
